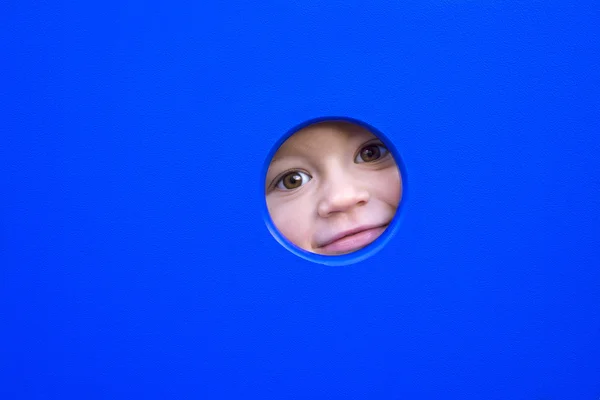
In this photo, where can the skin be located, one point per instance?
(330, 179)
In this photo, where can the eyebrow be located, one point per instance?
(275, 161)
(294, 150)
(286, 154)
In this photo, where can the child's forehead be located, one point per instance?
(323, 134)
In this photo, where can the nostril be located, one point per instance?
(344, 199)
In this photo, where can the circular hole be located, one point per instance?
(333, 187)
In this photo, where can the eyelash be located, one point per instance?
(381, 147)
(277, 181)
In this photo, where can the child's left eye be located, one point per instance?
(370, 153)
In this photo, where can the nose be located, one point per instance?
(341, 193)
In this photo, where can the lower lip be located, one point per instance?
(353, 242)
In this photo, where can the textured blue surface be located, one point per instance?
(135, 261)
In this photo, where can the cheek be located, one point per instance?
(292, 218)
(389, 186)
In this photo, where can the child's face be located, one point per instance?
(332, 188)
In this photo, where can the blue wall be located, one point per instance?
(135, 259)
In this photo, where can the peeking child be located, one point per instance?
(332, 188)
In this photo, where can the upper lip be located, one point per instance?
(354, 231)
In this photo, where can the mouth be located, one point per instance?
(352, 240)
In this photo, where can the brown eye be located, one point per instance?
(293, 180)
(370, 153)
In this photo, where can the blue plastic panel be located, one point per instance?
(135, 257)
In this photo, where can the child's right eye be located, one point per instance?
(293, 180)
